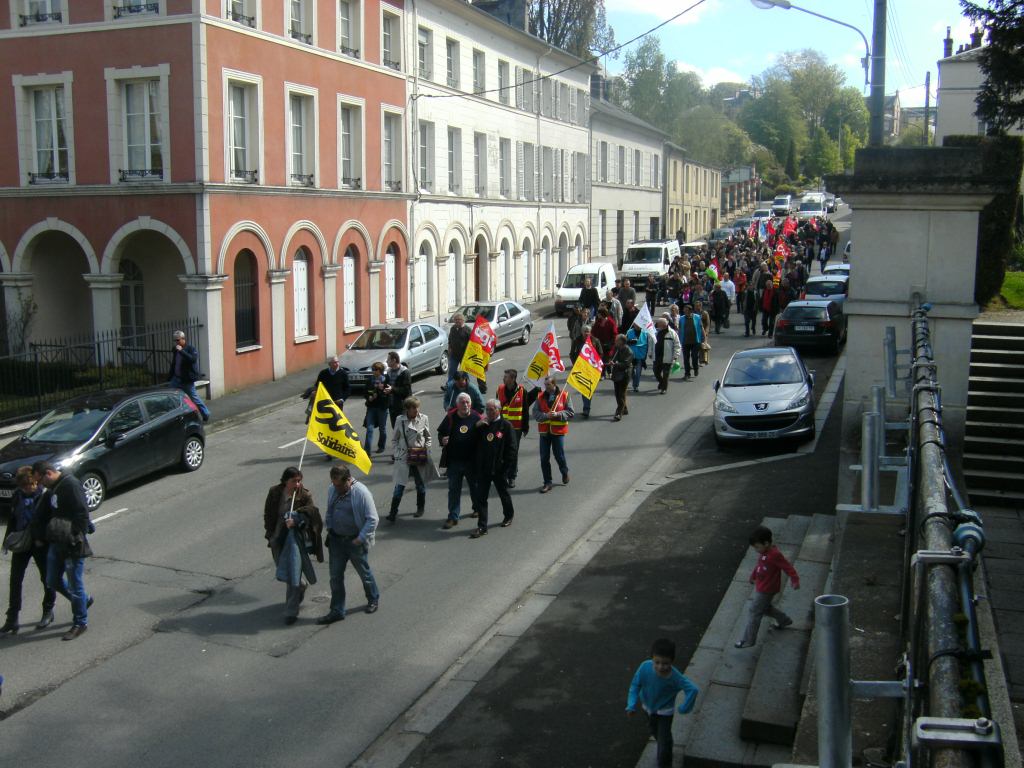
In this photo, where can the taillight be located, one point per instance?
(781, 323)
(828, 325)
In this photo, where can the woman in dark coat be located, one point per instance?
(293, 528)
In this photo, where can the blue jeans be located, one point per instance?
(189, 388)
(457, 470)
(343, 550)
(549, 442)
(74, 569)
(417, 477)
(638, 365)
(586, 406)
(376, 417)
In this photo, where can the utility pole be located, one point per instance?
(927, 103)
(877, 97)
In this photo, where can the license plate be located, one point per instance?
(358, 379)
(802, 328)
(6, 493)
(763, 435)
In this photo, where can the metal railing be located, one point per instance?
(129, 174)
(24, 19)
(241, 18)
(946, 719)
(120, 11)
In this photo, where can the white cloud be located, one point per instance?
(662, 11)
(712, 75)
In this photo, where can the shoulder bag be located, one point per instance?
(18, 542)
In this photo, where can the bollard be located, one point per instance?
(832, 670)
(869, 461)
(878, 405)
(889, 347)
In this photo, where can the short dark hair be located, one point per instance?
(340, 473)
(511, 372)
(42, 467)
(664, 647)
(289, 473)
(761, 535)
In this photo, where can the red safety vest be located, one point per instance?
(549, 425)
(513, 408)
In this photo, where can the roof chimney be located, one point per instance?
(598, 87)
(947, 45)
(976, 36)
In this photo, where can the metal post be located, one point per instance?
(927, 106)
(889, 346)
(871, 423)
(832, 671)
(877, 98)
(878, 405)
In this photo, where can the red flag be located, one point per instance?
(483, 335)
(752, 229)
(789, 227)
(549, 346)
(589, 353)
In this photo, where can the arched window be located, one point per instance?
(527, 271)
(133, 311)
(390, 287)
(454, 267)
(348, 277)
(247, 310)
(422, 279)
(301, 294)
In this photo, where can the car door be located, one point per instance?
(166, 417)
(502, 323)
(414, 358)
(517, 319)
(128, 449)
(433, 344)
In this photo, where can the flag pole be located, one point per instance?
(302, 456)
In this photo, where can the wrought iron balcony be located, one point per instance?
(392, 185)
(395, 65)
(302, 37)
(249, 177)
(346, 51)
(130, 174)
(241, 18)
(120, 11)
(49, 176)
(352, 182)
(305, 179)
(39, 18)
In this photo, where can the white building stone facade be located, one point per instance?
(499, 159)
(627, 169)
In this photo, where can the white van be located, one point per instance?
(647, 257)
(567, 296)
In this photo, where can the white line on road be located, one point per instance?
(418, 392)
(496, 360)
(293, 442)
(109, 515)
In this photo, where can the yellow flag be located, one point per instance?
(333, 434)
(586, 371)
(474, 361)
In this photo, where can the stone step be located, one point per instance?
(992, 480)
(1000, 370)
(995, 399)
(999, 429)
(992, 384)
(996, 341)
(992, 413)
(987, 328)
(999, 462)
(1015, 356)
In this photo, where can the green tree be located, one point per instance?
(1001, 98)
(848, 108)
(814, 81)
(791, 167)
(910, 136)
(851, 143)
(683, 91)
(577, 26)
(822, 155)
(646, 72)
(711, 137)
(717, 93)
(773, 119)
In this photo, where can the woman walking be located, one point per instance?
(376, 408)
(293, 529)
(410, 443)
(622, 368)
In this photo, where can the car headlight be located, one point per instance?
(68, 462)
(800, 400)
(724, 405)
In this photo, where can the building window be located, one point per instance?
(503, 83)
(451, 48)
(622, 165)
(505, 167)
(348, 286)
(242, 11)
(49, 136)
(563, 102)
(133, 310)
(392, 148)
(40, 12)
(425, 53)
(546, 97)
(391, 41)
(300, 294)
(301, 16)
(675, 176)
(243, 133)
(426, 156)
(247, 327)
(349, 27)
(547, 173)
(455, 160)
(302, 139)
(351, 149)
(655, 171)
(636, 226)
(637, 168)
(581, 106)
(142, 130)
(480, 163)
(603, 158)
(479, 72)
(529, 172)
(453, 274)
(602, 218)
(124, 9)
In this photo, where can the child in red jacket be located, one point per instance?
(767, 581)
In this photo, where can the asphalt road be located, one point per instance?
(187, 660)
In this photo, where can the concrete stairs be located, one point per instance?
(751, 698)
(993, 461)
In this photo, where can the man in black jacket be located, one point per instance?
(185, 372)
(589, 299)
(398, 386)
(335, 381)
(495, 454)
(64, 503)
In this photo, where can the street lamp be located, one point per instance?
(876, 101)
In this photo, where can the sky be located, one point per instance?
(731, 40)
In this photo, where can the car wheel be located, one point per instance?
(442, 365)
(95, 489)
(524, 337)
(192, 454)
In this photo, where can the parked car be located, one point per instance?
(830, 202)
(510, 320)
(761, 213)
(834, 287)
(838, 268)
(811, 208)
(816, 323)
(848, 250)
(567, 294)
(782, 205)
(646, 257)
(765, 393)
(720, 235)
(741, 225)
(421, 346)
(110, 438)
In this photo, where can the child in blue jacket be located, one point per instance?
(655, 686)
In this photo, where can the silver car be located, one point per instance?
(421, 347)
(766, 393)
(510, 320)
(829, 286)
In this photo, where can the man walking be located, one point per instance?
(335, 381)
(350, 525)
(589, 298)
(552, 410)
(515, 408)
(185, 373)
(398, 386)
(691, 334)
(458, 339)
(495, 456)
(64, 506)
(457, 436)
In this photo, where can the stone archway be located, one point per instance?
(63, 300)
(156, 262)
(482, 268)
(563, 257)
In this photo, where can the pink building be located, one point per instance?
(239, 161)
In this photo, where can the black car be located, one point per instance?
(811, 323)
(109, 438)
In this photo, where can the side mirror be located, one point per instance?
(717, 385)
(810, 379)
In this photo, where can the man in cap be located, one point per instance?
(185, 372)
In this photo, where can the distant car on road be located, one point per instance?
(782, 205)
(110, 438)
(741, 225)
(765, 393)
(840, 268)
(811, 208)
(421, 347)
(510, 320)
(834, 287)
(830, 202)
(720, 235)
(817, 323)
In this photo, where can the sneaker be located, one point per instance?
(546, 487)
(741, 644)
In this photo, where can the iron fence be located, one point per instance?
(53, 370)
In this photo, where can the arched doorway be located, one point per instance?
(391, 282)
(247, 299)
(157, 262)
(505, 270)
(455, 274)
(482, 268)
(133, 300)
(527, 268)
(563, 256)
(578, 258)
(545, 265)
(422, 277)
(63, 301)
(349, 286)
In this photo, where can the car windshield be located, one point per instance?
(825, 287)
(575, 279)
(381, 338)
(762, 213)
(69, 425)
(762, 370)
(721, 234)
(781, 201)
(644, 255)
(812, 206)
(804, 313)
(471, 311)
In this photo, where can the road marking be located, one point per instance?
(109, 515)
(289, 445)
(418, 392)
(496, 360)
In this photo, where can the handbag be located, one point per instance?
(414, 457)
(18, 542)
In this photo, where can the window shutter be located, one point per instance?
(519, 170)
(572, 106)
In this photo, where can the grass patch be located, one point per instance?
(1013, 290)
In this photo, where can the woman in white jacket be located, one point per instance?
(410, 445)
(665, 352)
